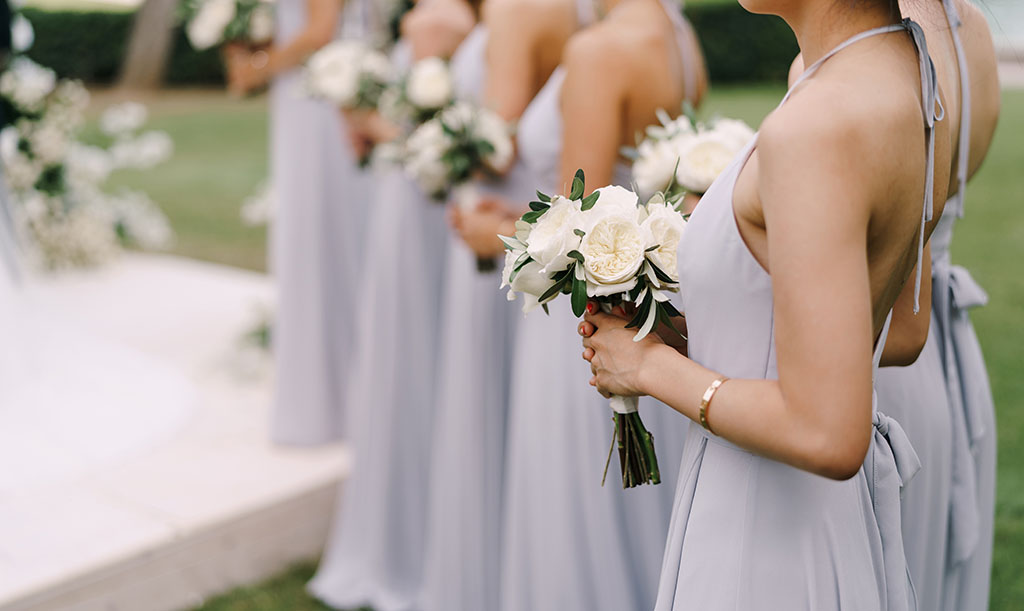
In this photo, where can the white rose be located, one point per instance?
(149, 149)
(333, 72)
(430, 83)
(702, 158)
(49, 143)
(613, 243)
(424, 151)
(27, 84)
(654, 168)
(87, 165)
(377, 66)
(22, 34)
(123, 118)
(261, 23)
(493, 129)
(207, 26)
(664, 228)
(613, 251)
(552, 237)
(735, 131)
(10, 138)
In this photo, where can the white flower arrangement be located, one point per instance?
(610, 248)
(213, 22)
(425, 90)
(348, 74)
(460, 142)
(686, 154)
(56, 182)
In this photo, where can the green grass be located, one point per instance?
(221, 156)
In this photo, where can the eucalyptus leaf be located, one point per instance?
(579, 297)
(590, 200)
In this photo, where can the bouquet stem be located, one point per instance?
(637, 460)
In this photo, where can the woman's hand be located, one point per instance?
(480, 228)
(366, 129)
(245, 74)
(615, 359)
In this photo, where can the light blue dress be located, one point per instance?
(949, 512)
(569, 543)
(375, 553)
(316, 251)
(463, 540)
(748, 532)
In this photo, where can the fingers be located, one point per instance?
(585, 329)
(597, 318)
(588, 354)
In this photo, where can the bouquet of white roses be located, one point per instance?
(460, 142)
(213, 22)
(684, 154)
(611, 248)
(349, 74)
(424, 91)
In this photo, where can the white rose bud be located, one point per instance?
(430, 83)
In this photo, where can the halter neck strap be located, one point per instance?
(684, 34)
(931, 107)
(876, 358)
(963, 154)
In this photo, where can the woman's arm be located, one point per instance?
(817, 415)
(246, 74)
(438, 27)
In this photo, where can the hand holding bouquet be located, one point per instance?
(610, 248)
(213, 22)
(683, 154)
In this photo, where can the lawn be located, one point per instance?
(221, 157)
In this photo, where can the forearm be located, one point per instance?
(753, 414)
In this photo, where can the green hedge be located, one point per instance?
(739, 47)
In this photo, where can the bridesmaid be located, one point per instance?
(569, 543)
(949, 512)
(375, 553)
(503, 62)
(789, 488)
(316, 251)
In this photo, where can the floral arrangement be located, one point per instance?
(424, 91)
(213, 22)
(56, 181)
(686, 154)
(460, 142)
(348, 74)
(610, 248)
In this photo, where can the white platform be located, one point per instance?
(166, 497)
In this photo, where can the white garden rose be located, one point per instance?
(664, 227)
(492, 128)
(530, 280)
(430, 83)
(552, 237)
(424, 151)
(49, 143)
(207, 26)
(123, 118)
(23, 35)
(702, 158)
(261, 23)
(655, 165)
(333, 72)
(613, 243)
(734, 131)
(86, 165)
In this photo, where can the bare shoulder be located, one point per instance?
(531, 18)
(602, 47)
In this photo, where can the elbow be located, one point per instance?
(838, 456)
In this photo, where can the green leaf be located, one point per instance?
(544, 198)
(660, 274)
(653, 248)
(544, 306)
(555, 289)
(532, 216)
(590, 200)
(579, 232)
(577, 185)
(579, 297)
(575, 254)
(641, 312)
(538, 206)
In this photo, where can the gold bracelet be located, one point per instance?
(705, 402)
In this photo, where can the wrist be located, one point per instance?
(650, 364)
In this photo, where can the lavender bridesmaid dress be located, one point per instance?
(752, 533)
(375, 555)
(316, 250)
(571, 544)
(945, 403)
(463, 529)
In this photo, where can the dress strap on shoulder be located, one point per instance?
(586, 13)
(876, 359)
(964, 152)
(684, 34)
